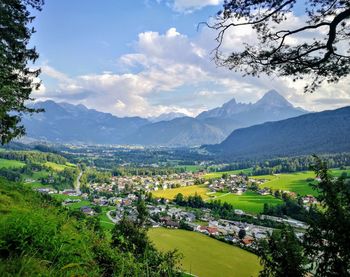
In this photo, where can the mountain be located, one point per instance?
(232, 115)
(214, 125)
(322, 132)
(166, 117)
(184, 131)
(67, 123)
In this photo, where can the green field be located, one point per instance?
(10, 164)
(205, 256)
(216, 175)
(186, 191)
(190, 168)
(249, 202)
(296, 182)
(54, 166)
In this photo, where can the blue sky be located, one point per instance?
(145, 57)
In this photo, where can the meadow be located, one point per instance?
(58, 167)
(10, 164)
(297, 182)
(249, 202)
(216, 175)
(190, 168)
(205, 256)
(186, 191)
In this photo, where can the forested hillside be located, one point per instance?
(323, 132)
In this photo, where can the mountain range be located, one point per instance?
(322, 132)
(67, 123)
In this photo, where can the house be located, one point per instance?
(87, 210)
(248, 240)
(208, 230)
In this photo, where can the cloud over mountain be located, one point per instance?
(172, 72)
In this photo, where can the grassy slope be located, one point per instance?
(204, 256)
(250, 202)
(186, 191)
(25, 216)
(55, 166)
(10, 163)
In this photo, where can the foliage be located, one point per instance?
(326, 241)
(289, 208)
(278, 165)
(282, 255)
(33, 157)
(129, 236)
(17, 79)
(38, 237)
(320, 58)
(241, 233)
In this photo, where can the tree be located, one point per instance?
(17, 79)
(241, 234)
(327, 240)
(142, 212)
(179, 199)
(288, 51)
(129, 237)
(282, 254)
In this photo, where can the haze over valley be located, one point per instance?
(175, 138)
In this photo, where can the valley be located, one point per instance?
(190, 207)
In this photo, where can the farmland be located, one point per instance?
(10, 164)
(204, 256)
(297, 182)
(190, 168)
(249, 202)
(216, 175)
(186, 191)
(58, 167)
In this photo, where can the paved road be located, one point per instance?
(110, 217)
(216, 197)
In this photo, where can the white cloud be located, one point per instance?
(190, 5)
(171, 72)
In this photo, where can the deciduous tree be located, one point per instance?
(288, 50)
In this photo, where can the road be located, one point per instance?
(77, 183)
(110, 217)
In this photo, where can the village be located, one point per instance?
(121, 194)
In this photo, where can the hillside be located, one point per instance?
(67, 123)
(322, 132)
(184, 131)
(39, 237)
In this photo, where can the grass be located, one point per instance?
(205, 256)
(216, 175)
(55, 166)
(190, 168)
(249, 202)
(106, 224)
(296, 182)
(4, 163)
(186, 191)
